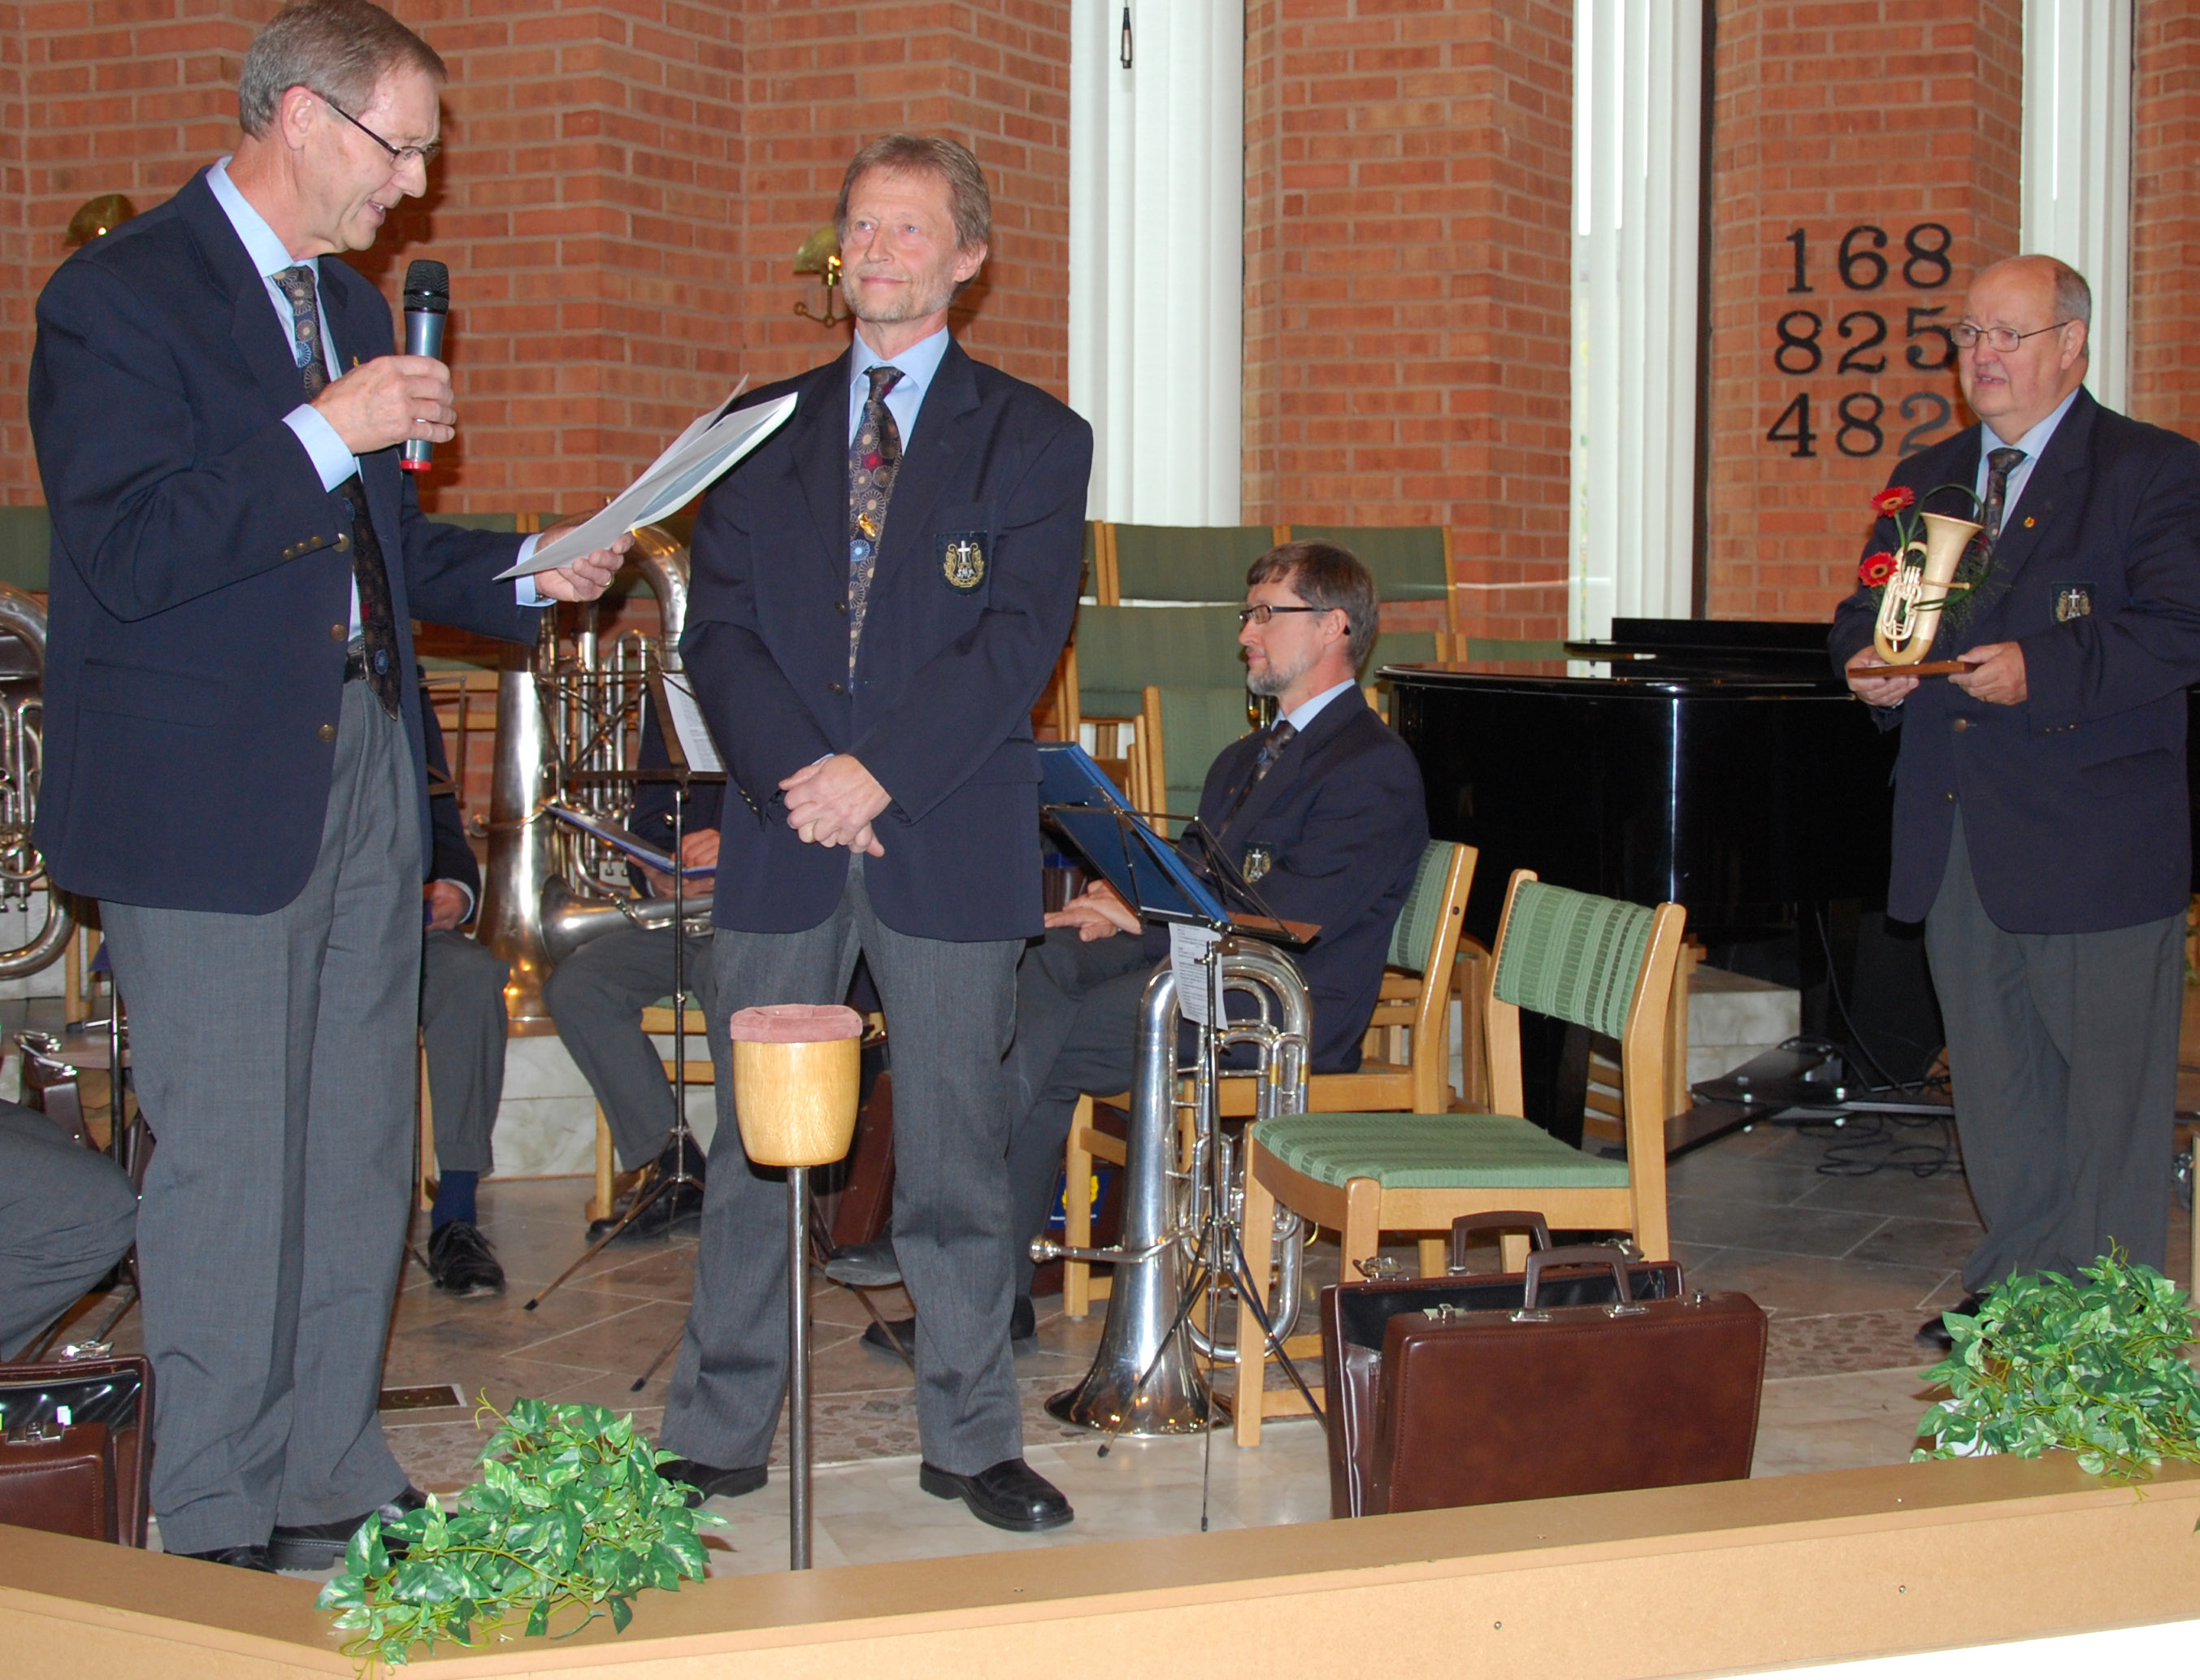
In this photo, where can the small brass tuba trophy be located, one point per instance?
(1910, 606)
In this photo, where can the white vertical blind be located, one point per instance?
(1156, 270)
(2075, 191)
(1638, 76)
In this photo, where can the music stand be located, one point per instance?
(683, 1139)
(1155, 880)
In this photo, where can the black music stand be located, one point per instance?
(684, 1138)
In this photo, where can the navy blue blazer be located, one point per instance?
(2074, 804)
(202, 576)
(450, 858)
(1343, 822)
(971, 602)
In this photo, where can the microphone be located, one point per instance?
(427, 307)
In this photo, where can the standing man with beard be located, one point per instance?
(880, 596)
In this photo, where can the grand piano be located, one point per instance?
(1718, 765)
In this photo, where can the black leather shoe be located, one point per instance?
(461, 1261)
(1933, 1334)
(866, 1265)
(903, 1331)
(236, 1557)
(1009, 1495)
(1023, 1325)
(321, 1545)
(678, 1207)
(707, 1481)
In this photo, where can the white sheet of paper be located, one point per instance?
(1187, 945)
(686, 717)
(696, 460)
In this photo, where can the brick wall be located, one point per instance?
(622, 189)
(1407, 304)
(2165, 382)
(1903, 116)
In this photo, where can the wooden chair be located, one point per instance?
(1595, 961)
(657, 1020)
(1423, 940)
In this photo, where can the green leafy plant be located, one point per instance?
(569, 1512)
(2096, 1367)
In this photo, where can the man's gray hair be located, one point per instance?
(927, 155)
(2073, 298)
(337, 48)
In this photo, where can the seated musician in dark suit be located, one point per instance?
(596, 995)
(1323, 810)
(67, 1214)
(463, 1029)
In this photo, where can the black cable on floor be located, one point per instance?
(1861, 1144)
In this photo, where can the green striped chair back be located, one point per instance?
(1186, 563)
(1422, 913)
(1122, 649)
(1573, 956)
(26, 537)
(1196, 725)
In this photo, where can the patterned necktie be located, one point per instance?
(2000, 463)
(377, 619)
(1279, 736)
(874, 458)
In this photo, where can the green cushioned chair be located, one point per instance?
(1179, 563)
(1182, 732)
(26, 536)
(1593, 962)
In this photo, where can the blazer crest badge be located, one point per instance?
(2073, 601)
(962, 559)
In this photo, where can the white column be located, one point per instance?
(1638, 82)
(2076, 190)
(1157, 269)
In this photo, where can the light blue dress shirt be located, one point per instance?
(919, 364)
(1306, 712)
(331, 457)
(2034, 442)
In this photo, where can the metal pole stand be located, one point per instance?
(797, 1068)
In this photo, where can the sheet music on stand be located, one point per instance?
(1148, 874)
(675, 695)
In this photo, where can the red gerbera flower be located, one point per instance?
(1876, 569)
(1894, 500)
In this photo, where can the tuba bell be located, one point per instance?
(1909, 606)
(566, 712)
(35, 922)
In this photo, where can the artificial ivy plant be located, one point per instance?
(2097, 1367)
(569, 1512)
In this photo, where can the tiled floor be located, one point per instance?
(1848, 1267)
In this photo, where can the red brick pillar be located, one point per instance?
(2165, 382)
(1407, 300)
(1836, 128)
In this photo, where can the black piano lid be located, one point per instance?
(1680, 655)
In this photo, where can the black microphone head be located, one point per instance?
(428, 286)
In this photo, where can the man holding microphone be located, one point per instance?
(234, 763)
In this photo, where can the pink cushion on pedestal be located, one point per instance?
(796, 1024)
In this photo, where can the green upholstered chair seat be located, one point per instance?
(1448, 1151)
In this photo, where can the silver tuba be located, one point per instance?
(566, 712)
(34, 919)
(1144, 1380)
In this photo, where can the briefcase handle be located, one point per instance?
(1472, 1225)
(1567, 1258)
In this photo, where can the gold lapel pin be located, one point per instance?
(2027, 522)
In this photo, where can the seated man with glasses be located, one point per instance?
(1322, 810)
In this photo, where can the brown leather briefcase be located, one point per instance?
(59, 1417)
(1471, 1390)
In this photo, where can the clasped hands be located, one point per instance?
(395, 400)
(833, 802)
(1996, 676)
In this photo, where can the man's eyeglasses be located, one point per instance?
(399, 155)
(1262, 613)
(1998, 338)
